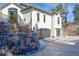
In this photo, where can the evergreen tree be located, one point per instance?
(62, 9)
(76, 14)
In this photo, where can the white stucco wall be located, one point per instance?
(55, 21)
(27, 17)
(5, 11)
(41, 23)
(55, 25)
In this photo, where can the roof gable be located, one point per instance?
(20, 5)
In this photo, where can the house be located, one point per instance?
(37, 19)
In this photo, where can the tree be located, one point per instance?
(76, 14)
(62, 9)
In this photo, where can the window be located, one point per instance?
(24, 19)
(37, 16)
(44, 18)
(58, 20)
(13, 14)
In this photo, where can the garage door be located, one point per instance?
(45, 32)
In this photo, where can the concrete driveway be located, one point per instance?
(63, 46)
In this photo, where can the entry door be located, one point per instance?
(58, 31)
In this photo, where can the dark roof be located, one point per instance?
(34, 8)
(20, 5)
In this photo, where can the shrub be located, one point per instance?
(4, 26)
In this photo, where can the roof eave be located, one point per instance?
(35, 8)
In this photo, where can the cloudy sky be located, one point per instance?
(49, 6)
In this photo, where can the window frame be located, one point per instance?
(38, 17)
(58, 20)
(44, 20)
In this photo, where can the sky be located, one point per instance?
(48, 6)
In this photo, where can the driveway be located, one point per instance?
(63, 46)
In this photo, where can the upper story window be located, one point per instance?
(58, 20)
(44, 18)
(38, 17)
(13, 14)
